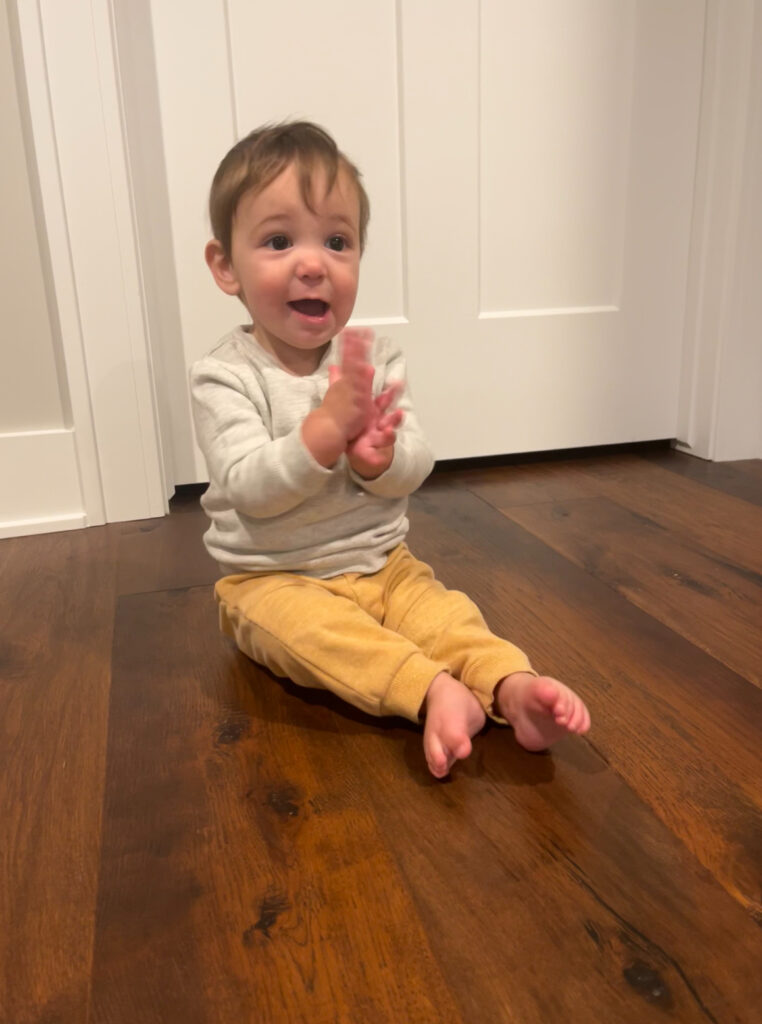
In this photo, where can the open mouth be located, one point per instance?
(310, 307)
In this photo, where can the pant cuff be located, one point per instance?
(490, 673)
(408, 688)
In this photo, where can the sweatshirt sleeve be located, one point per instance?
(259, 476)
(413, 459)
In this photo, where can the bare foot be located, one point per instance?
(453, 716)
(540, 709)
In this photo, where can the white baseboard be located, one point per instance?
(28, 527)
(40, 488)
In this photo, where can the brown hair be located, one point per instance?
(262, 155)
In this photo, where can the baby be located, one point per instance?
(313, 446)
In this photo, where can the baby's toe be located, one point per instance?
(436, 756)
(437, 767)
(546, 693)
(574, 719)
(563, 709)
(580, 720)
(462, 748)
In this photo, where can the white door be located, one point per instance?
(531, 172)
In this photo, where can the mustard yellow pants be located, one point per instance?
(375, 640)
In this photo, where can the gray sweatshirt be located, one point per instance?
(273, 508)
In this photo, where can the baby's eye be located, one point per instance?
(278, 242)
(337, 243)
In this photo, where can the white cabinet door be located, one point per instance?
(531, 171)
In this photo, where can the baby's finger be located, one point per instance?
(355, 346)
(364, 334)
(334, 374)
(392, 419)
(361, 378)
(360, 371)
(389, 396)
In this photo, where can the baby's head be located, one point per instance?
(289, 216)
(257, 160)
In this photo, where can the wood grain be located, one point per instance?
(165, 553)
(713, 603)
(274, 864)
(242, 876)
(661, 708)
(187, 838)
(550, 892)
(729, 527)
(741, 478)
(55, 655)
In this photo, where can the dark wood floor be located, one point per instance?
(184, 838)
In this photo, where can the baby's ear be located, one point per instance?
(221, 268)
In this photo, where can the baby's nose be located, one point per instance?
(311, 264)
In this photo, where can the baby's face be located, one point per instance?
(297, 271)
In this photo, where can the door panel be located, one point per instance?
(530, 169)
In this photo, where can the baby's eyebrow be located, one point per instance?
(272, 218)
(339, 218)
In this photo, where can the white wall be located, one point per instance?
(739, 406)
(720, 414)
(71, 72)
(39, 481)
(30, 394)
(145, 145)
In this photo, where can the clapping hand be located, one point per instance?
(371, 450)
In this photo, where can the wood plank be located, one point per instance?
(242, 875)
(729, 527)
(55, 654)
(526, 889)
(506, 486)
(550, 892)
(715, 605)
(678, 726)
(742, 478)
(166, 553)
(289, 858)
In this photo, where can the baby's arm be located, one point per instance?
(260, 476)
